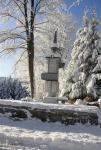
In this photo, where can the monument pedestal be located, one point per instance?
(53, 100)
(51, 79)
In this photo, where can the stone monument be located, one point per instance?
(51, 77)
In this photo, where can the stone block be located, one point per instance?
(53, 64)
(53, 100)
(52, 88)
(49, 76)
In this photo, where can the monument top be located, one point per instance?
(55, 48)
(55, 37)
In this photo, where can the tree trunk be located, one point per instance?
(31, 55)
(31, 66)
(30, 44)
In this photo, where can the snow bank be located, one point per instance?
(36, 135)
(41, 105)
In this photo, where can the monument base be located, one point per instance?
(55, 100)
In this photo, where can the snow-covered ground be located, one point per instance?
(36, 135)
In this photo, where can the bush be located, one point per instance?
(12, 89)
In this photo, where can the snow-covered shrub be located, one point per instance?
(12, 89)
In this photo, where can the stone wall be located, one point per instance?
(67, 117)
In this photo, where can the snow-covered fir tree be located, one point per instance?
(83, 77)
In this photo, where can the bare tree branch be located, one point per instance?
(37, 7)
(19, 7)
(12, 16)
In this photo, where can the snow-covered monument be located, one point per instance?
(51, 77)
(83, 79)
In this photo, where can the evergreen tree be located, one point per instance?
(84, 70)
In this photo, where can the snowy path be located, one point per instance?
(36, 135)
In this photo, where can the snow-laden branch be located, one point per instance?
(75, 3)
